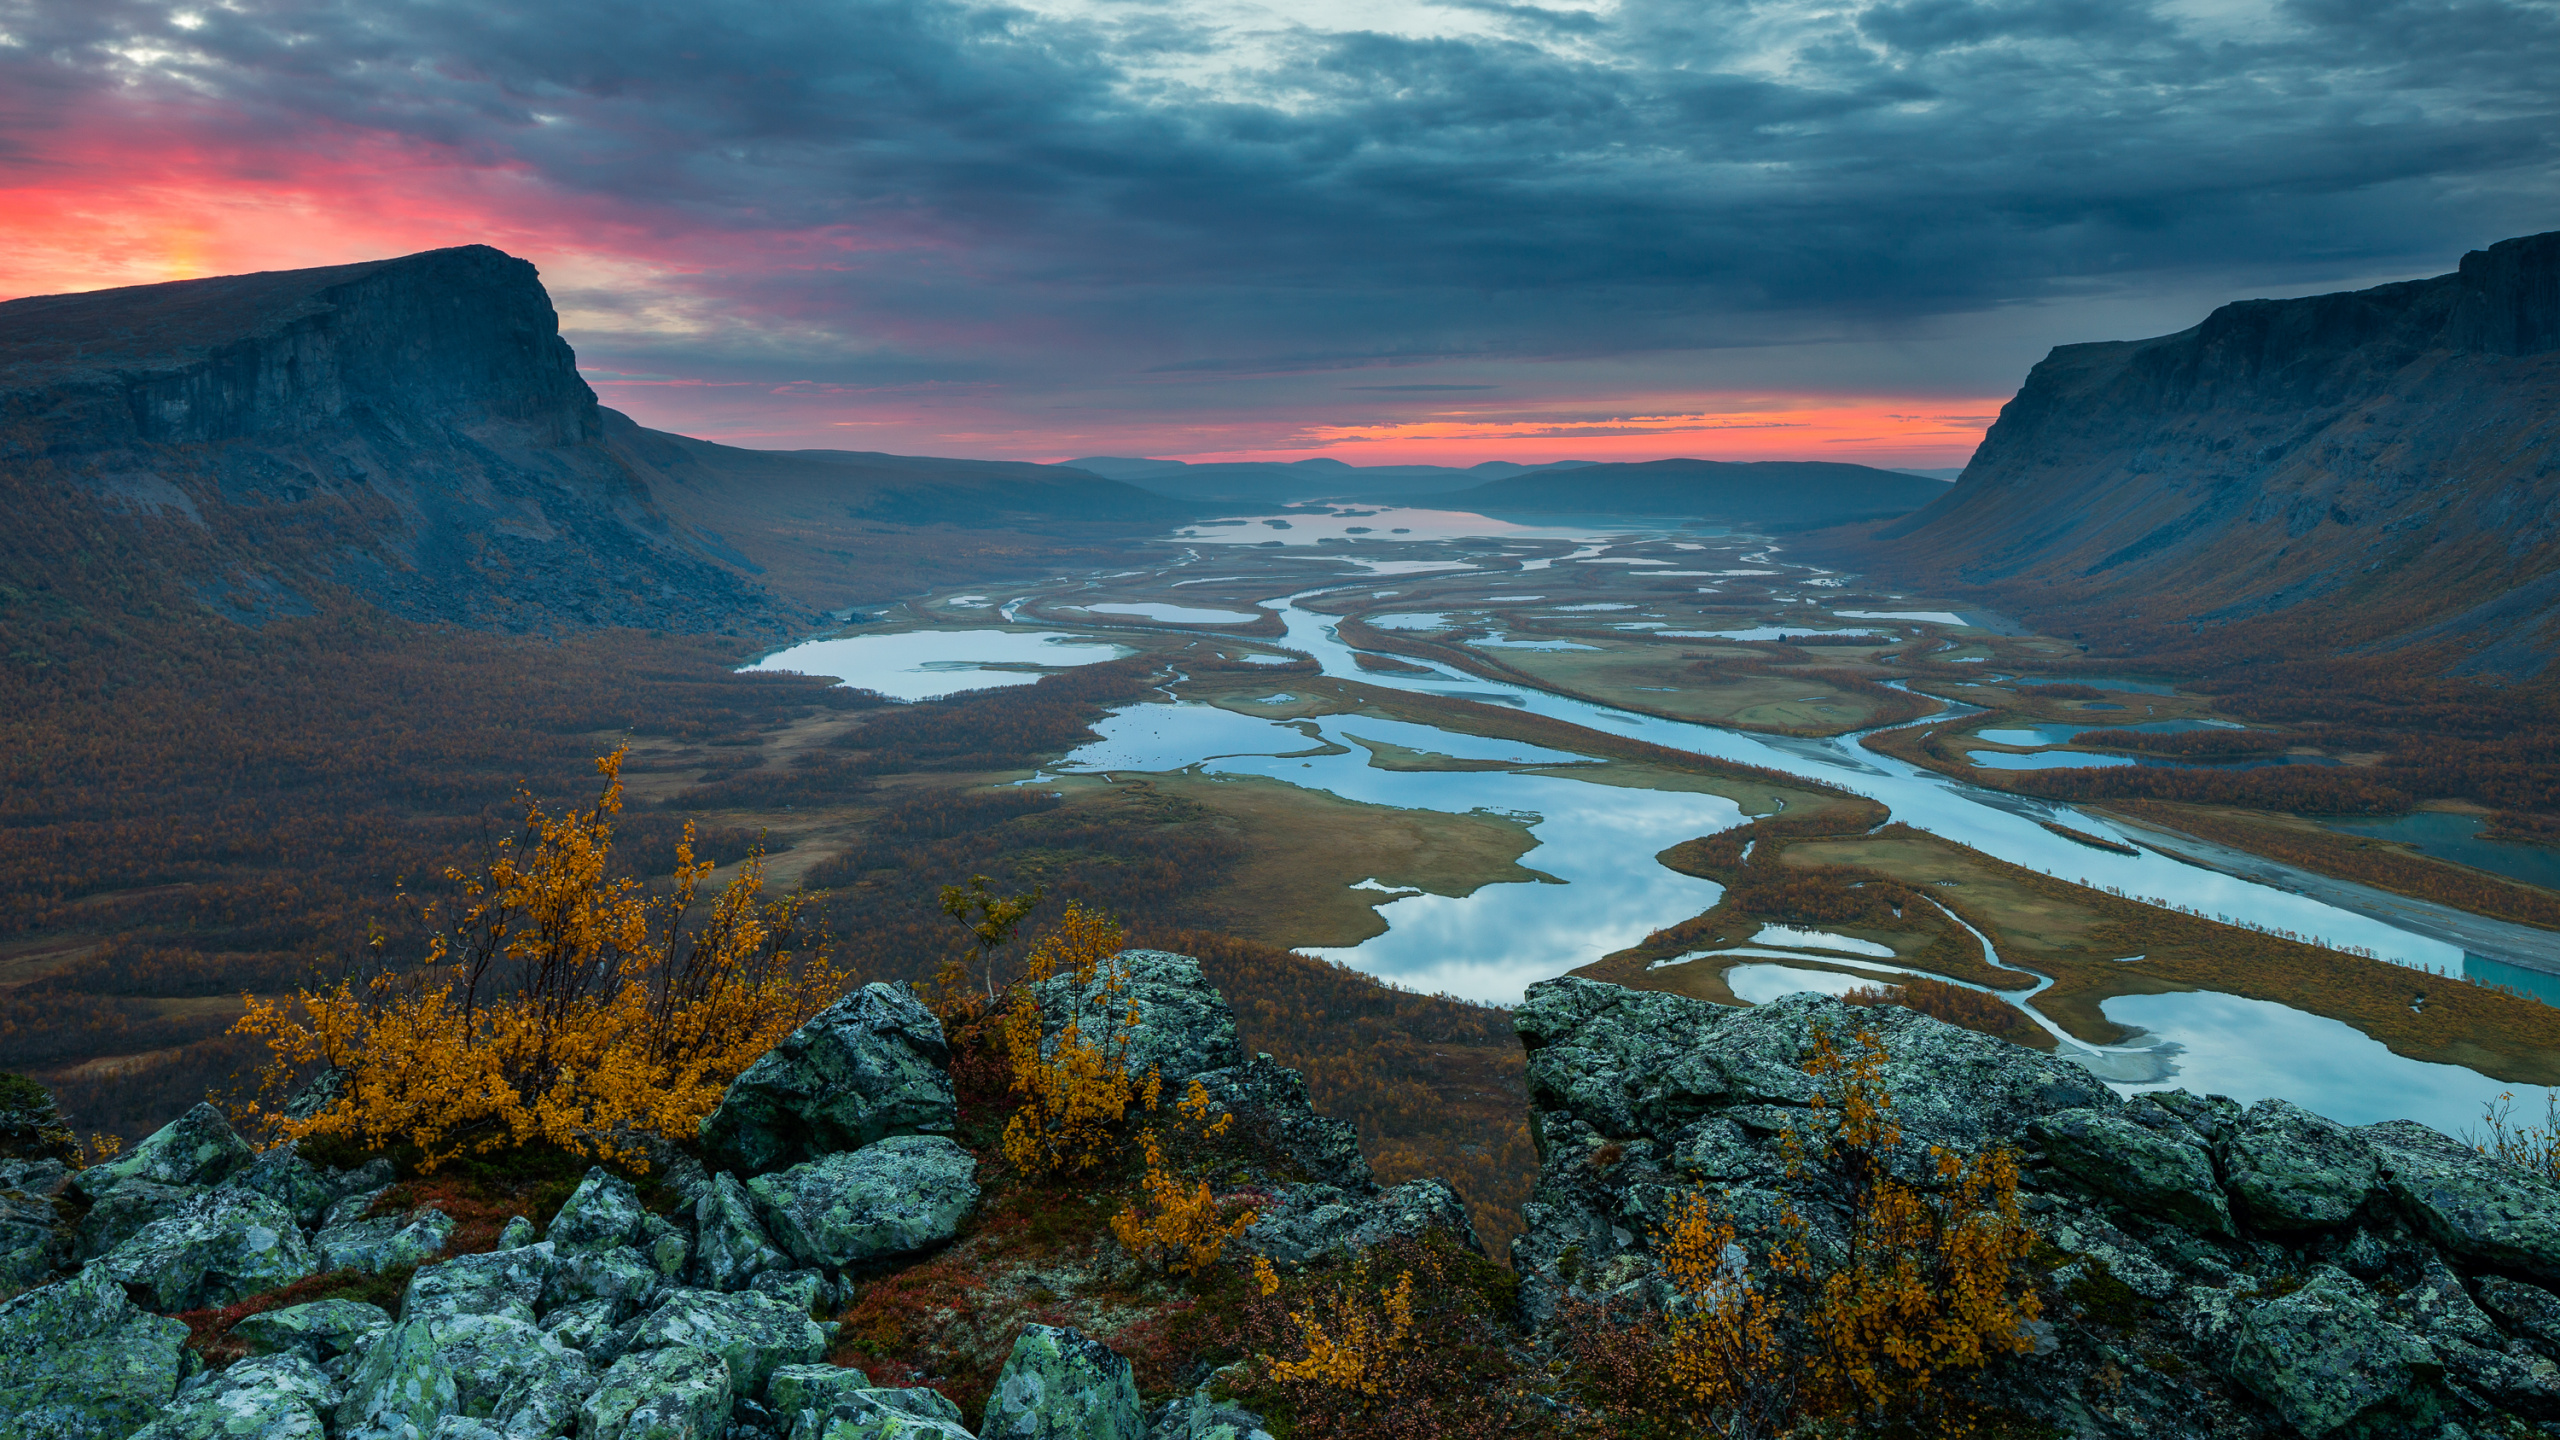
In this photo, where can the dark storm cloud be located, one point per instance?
(1660, 175)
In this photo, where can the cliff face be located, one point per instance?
(2391, 454)
(412, 430)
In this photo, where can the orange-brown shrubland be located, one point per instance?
(565, 1005)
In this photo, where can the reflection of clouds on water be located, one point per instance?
(1760, 984)
(1492, 944)
(2254, 1049)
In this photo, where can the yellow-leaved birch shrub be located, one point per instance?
(1935, 1281)
(1075, 1095)
(565, 1004)
(1352, 1342)
(1179, 1225)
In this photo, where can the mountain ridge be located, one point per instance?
(2392, 454)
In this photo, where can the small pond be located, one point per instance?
(926, 664)
(2110, 682)
(2455, 837)
(2063, 733)
(2074, 760)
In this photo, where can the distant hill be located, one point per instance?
(2375, 469)
(1766, 493)
(1279, 483)
(413, 432)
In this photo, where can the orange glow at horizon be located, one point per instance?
(1933, 433)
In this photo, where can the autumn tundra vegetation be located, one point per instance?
(563, 1012)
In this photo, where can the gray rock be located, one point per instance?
(222, 1248)
(517, 1233)
(320, 1331)
(33, 1240)
(198, 1148)
(621, 1277)
(463, 1427)
(503, 1282)
(675, 1393)
(121, 1213)
(730, 1245)
(2528, 1310)
(46, 1178)
(1198, 1417)
(801, 1289)
(668, 1248)
(2164, 1172)
(1059, 1385)
(1184, 1026)
(602, 1214)
(798, 1395)
(495, 1368)
(305, 1189)
(587, 1327)
(2289, 1169)
(79, 1361)
(873, 1064)
(384, 1242)
(2466, 1202)
(755, 1334)
(2323, 1357)
(1632, 1063)
(884, 1415)
(2437, 1307)
(270, 1397)
(894, 1197)
(1311, 1221)
(1270, 1101)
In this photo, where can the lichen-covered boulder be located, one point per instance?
(197, 1148)
(2466, 1202)
(2289, 1169)
(517, 1233)
(32, 1240)
(893, 1197)
(1271, 1100)
(270, 1397)
(2161, 1170)
(80, 1361)
(799, 1289)
(2324, 1356)
(730, 1247)
(881, 1414)
(495, 1368)
(305, 1189)
(1059, 1385)
(872, 1065)
(502, 1282)
(1635, 1063)
(620, 1276)
(2527, 1310)
(377, 1243)
(318, 1332)
(587, 1327)
(1200, 1417)
(1310, 1221)
(1184, 1026)
(31, 1125)
(675, 1393)
(121, 1213)
(753, 1334)
(793, 1393)
(223, 1247)
(604, 1212)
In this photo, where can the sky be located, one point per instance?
(1384, 231)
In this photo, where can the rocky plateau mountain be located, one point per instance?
(2380, 468)
(414, 432)
(1756, 494)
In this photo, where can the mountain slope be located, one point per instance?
(1783, 493)
(413, 433)
(2377, 469)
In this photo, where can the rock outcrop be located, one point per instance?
(872, 1065)
(2223, 1270)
